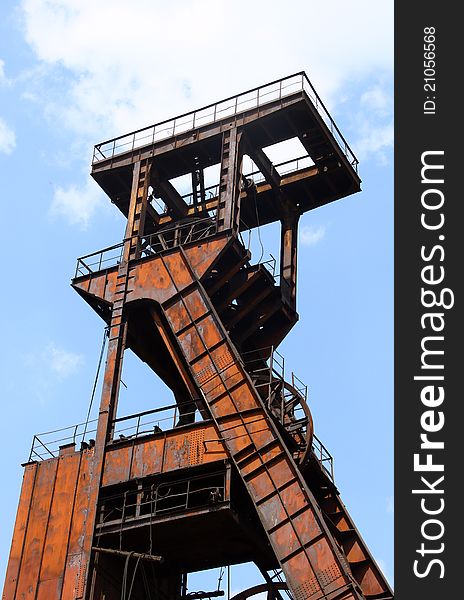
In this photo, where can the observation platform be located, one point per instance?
(267, 115)
(175, 478)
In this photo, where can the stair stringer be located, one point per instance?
(362, 564)
(301, 540)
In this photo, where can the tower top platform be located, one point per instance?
(282, 110)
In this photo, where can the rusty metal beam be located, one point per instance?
(266, 167)
(261, 188)
(229, 181)
(288, 257)
(125, 554)
(172, 198)
(135, 226)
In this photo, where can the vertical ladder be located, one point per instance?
(115, 354)
(138, 208)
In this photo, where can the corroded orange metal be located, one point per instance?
(188, 308)
(51, 524)
(149, 277)
(20, 529)
(163, 453)
(300, 538)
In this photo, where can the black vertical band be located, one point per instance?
(429, 332)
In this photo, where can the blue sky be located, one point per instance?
(76, 72)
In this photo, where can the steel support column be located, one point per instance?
(116, 346)
(288, 257)
(229, 183)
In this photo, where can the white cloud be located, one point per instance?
(150, 59)
(48, 366)
(377, 98)
(7, 135)
(77, 203)
(60, 361)
(373, 123)
(383, 567)
(3, 78)
(311, 234)
(7, 138)
(109, 67)
(390, 505)
(375, 140)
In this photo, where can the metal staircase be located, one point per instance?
(182, 293)
(263, 421)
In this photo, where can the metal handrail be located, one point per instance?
(135, 425)
(323, 456)
(157, 498)
(98, 260)
(178, 234)
(257, 176)
(239, 103)
(151, 244)
(275, 367)
(47, 444)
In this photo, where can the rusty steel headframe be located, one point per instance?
(240, 455)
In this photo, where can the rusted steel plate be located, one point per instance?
(176, 449)
(49, 589)
(148, 458)
(19, 533)
(194, 309)
(203, 256)
(103, 286)
(176, 453)
(76, 567)
(149, 278)
(291, 501)
(328, 572)
(198, 337)
(118, 464)
(36, 529)
(371, 583)
(301, 578)
(54, 556)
